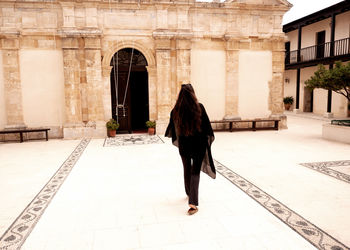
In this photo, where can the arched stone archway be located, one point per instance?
(151, 69)
(118, 45)
(129, 90)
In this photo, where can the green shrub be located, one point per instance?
(112, 124)
(151, 124)
(288, 100)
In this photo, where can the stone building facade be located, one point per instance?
(56, 59)
(322, 37)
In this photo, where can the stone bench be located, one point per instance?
(252, 124)
(25, 130)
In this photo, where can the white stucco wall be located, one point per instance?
(42, 82)
(342, 26)
(255, 72)
(339, 102)
(308, 37)
(342, 30)
(320, 95)
(292, 37)
(208, 74)
(290, 87)
(2, 96)
(320, 101)
(339, 105)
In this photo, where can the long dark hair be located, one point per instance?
(187, 111)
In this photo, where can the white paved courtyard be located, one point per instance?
(124, 194)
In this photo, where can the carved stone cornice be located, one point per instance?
(184, 34)
(9, 34)
(232, 36)
(9, 40)
(80, 33)
(163, 34)
(172, 34)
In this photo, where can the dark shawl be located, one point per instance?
(207, 163)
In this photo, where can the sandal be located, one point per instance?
(192, 210)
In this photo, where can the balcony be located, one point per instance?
(317, 54)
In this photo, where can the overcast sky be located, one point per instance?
(303, 8)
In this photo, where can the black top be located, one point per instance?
(206, 131)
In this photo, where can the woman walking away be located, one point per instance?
(190, 130)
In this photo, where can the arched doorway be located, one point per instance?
(129, 90)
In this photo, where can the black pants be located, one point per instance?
(192, 150)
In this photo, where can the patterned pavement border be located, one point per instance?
(20, 229)
(134, 139)
(325, 168)
(306, 229)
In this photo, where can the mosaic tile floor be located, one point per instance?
(337, 169)
(155, 213)
(309, 231)
(17, 233)
(128, 140)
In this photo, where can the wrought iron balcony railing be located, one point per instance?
(318, 52)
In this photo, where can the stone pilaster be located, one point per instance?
(162, 17)
(152, 92)
(183, 62)
(68, 14)
(12, 82)
(276, 85)
(183, 17)
(163, 83)
(83, 87)
(94, 79)
(91, 15)
(72, 78)
(232, 66)
(106, 74)
(276, 88)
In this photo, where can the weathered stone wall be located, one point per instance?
(2, 96)
(89, 33)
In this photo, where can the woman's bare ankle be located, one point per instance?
(193, 206)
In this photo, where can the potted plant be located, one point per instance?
(112, 127)
(288, 101)
(151, 125)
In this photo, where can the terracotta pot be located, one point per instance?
(287, 106)
(151, 131)
(111, 133)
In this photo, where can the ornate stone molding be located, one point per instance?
(73, 32)
(161, 34)
(118, 45)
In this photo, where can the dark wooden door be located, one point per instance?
(129, 91)
(139, 100)
(320, 42)
(308, 100)
(123, 111)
